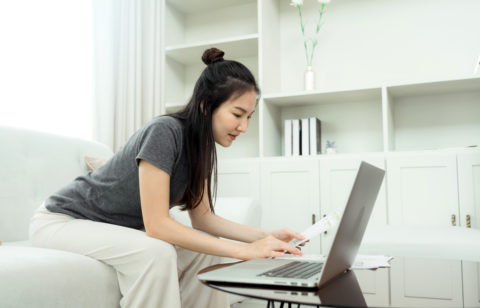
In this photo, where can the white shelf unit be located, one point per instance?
(433, 115)
(265, 36)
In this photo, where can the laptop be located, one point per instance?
(310, 273)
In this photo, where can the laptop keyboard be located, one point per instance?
(295, 269)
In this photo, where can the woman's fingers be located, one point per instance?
(298, 236)
(277, 253)
(293, 235)
(271, 246)
(292, 250)
(281, 246)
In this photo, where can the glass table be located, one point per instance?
(343, 291)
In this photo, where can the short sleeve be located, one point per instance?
(159, 145)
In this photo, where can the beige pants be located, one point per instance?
(151, 272)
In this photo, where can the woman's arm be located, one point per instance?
(154, 195)
(203, 219)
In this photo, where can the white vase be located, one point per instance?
(309, 79)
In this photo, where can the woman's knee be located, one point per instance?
(160, 252)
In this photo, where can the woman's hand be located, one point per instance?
(286, 235)
(267, 247)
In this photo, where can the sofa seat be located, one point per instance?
(37, 277)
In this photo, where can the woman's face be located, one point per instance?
(232, 117)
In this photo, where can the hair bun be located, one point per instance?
(212, 55)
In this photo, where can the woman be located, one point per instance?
(119, 213)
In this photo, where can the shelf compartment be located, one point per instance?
(235, 47)
(434, 115)
(189, 22)
(351, 118)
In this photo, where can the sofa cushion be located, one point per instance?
(35, 165)
(93, 163)
(39, 277)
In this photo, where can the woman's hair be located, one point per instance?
(219, 81)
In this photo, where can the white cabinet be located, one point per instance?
(471, 284)
(290, 195)
(337, 173)
(417, 282)
(469, 192)
(422, 190)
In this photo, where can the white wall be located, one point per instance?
(367, 43)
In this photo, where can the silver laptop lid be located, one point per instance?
(353, 222)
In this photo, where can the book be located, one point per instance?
(305, 142)
(295, 137)
(288, 137)
(315, 136)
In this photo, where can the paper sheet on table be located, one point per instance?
(371, 262)
(320, 226)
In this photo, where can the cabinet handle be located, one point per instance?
(313, 219)
(469, 224)
(454, 220)
(325, 232)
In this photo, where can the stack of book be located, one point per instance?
(303, 137)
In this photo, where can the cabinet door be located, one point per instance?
(336, 180)
(469, 192)
(422, 190)
(239, 178)
(290, 196)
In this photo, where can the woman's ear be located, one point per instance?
(204, 111)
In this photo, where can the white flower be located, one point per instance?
(323, 1)
(296, 2)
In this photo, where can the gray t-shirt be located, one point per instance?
(111, 193)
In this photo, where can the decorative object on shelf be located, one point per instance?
(302, 137)
(309, 79)
(288, 138)
(310, 30)
(330, 148)
(315, 126)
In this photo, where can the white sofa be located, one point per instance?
(34, 165)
